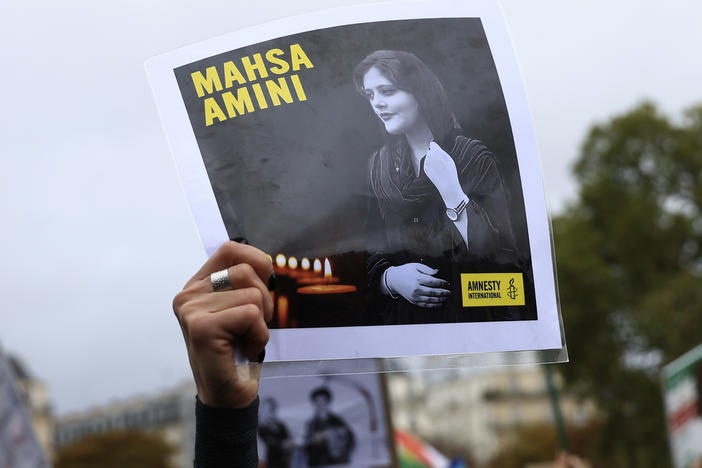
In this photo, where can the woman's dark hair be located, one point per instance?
(320, 391)
(408, 73)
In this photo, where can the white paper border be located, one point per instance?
(379, 340)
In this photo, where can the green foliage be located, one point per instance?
(530, 444)
(538, 443)
(134, 449)
(629, 267)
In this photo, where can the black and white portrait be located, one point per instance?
(320, 421)
(442, 207)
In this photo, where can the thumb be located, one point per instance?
(431, 151)
(427, 270)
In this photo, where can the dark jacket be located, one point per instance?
(407, 223)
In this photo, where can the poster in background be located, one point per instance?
(296, 136)
(332, 420)
(682, 387)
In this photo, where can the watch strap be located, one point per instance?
(454, 213)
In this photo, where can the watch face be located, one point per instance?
(451, 213)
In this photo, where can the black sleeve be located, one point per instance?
(377, 260)
(225, 437)
(490, 230)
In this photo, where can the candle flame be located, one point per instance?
(280, 260)
(292, 263)
(327, 268)
(269, 257)
(317, 266)
(305, 263)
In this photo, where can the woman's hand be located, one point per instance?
(416, 283)
(441, 170)
(213, 323)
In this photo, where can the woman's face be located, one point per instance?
(398, 109)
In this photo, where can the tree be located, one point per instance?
(538, 443)
(629, 267)
(135, 449)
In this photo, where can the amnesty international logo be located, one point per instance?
(492, 289)
(512, 291)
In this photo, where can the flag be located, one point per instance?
(415, 453)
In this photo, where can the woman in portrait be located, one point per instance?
(439, 205)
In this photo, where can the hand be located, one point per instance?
(214, 322)
(416, 283)
(441, 170)
(567, 460)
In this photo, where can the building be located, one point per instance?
(35, 397)
(19, 445)
(478, 408)
(170, 413)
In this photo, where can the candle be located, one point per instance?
(324, 303)
(282, 311)
(309, 279)
(280, 264)
(318, 278)
(329, 305)
(327, 289)
(293, 271)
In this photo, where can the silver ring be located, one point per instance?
(220, 280)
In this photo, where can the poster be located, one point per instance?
(320, 421)
(383, 155)
(682, 387)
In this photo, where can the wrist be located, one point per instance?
(208, 407)
(452, 196)
(454, 212)
(239, 397)
(239, 401)
(386, 284)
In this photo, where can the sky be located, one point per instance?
(96, 235)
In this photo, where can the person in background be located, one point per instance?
(224, 306)
(275, 435)
(328, 439)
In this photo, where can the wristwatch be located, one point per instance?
(454, 213)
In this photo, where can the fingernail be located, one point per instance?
(261, 356)
(241, 240)
(272, 282)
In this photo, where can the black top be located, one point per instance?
(328, 441)
(226, 437)
(407, 223)
(275, 435)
